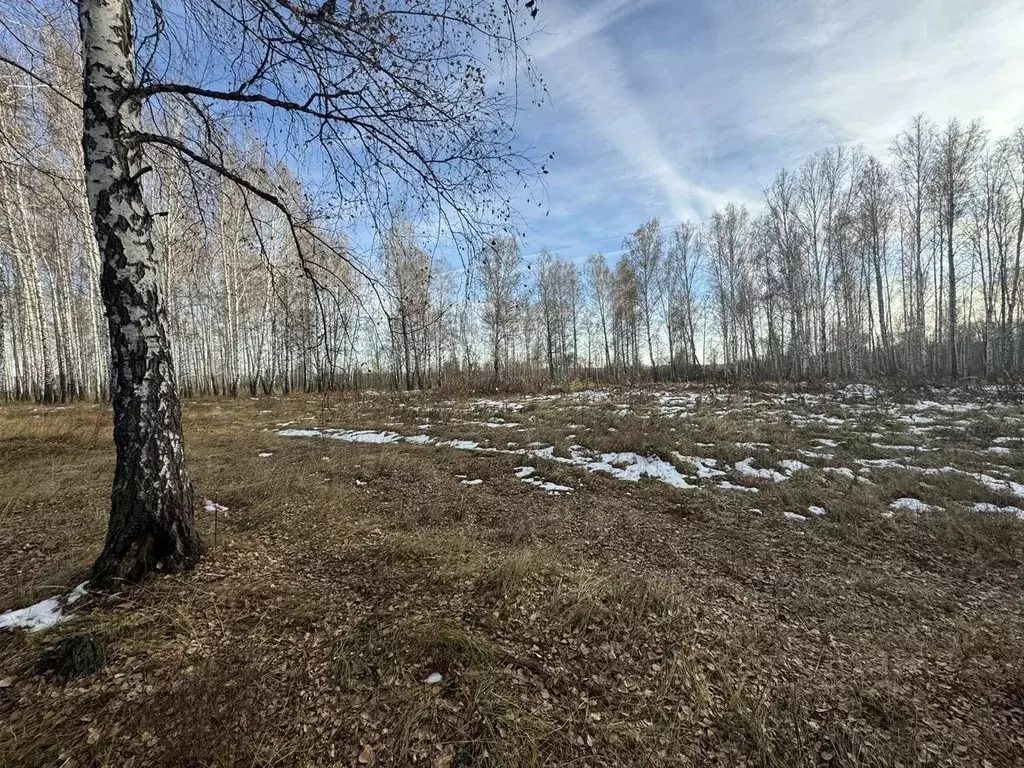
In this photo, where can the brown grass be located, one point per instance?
(623, 624)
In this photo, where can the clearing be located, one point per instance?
(663, 577)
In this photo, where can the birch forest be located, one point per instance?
(903, 264)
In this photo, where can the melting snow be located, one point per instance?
(910, 504)
(725, 485)
(705, 467)
(794, 516)
(816, 454)
(819, 511)
(983, 506)
(844, 471)
(552, 488)
(478, 481)
(43, 614)
(791, 465)
(746, 467)
(632, 466)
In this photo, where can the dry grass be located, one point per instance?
(623, 624)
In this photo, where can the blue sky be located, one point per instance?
(669, 108)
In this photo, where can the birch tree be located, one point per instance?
(957, 151)
(395, 95)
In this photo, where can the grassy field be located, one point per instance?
(682, 576)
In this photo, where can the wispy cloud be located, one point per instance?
(670, 108)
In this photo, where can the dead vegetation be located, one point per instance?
(621, 624)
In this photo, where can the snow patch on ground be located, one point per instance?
(746, 467)
(842, 471)
(816, 454)
(631, 467)
(910, 504)
(43, 614)
(725, 485)
(983, 506)
(478, 481)
(706, 468)
(792, 465)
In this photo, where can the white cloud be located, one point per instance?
(585, 72)
(669, 107)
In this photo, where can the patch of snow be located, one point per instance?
(999, 449)
(725, 485)
(299, 432)
(265, 455)
(433, 678)
(212, 506)
(705, 467)
(478, 481)
(552, 488)
(931, 405)
(794, 516)
(910, 504)
(461, 445)
(826, 442)
(903, 448)
(792, 465)
(746, 467)
(844, 471)
(819, 511)
(522, 472)
(631, 467)
(43, 614)
(816, 454)
(498, 405)
(983, 506)
(881, 463)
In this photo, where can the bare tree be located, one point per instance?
(876, 202)
(957, 150)
(502, 281)
(912, 151)
(415, 98)
(645, 251)
(600, 292)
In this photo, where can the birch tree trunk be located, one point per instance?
(152, 521)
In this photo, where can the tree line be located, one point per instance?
(852, 265)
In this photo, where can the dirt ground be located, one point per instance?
(615, 605)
